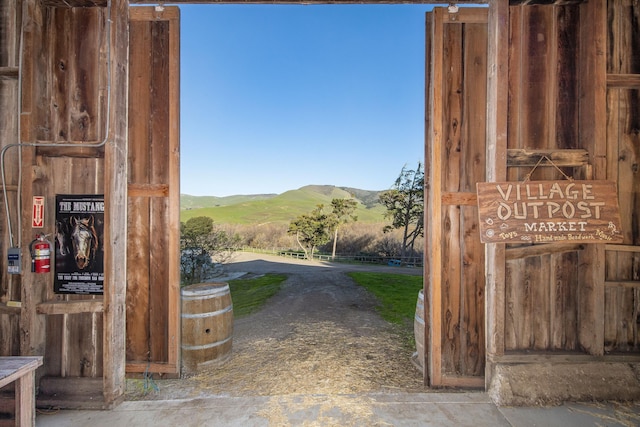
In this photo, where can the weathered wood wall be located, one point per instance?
(68, 147)
(561, 312)
(622, 268)
(61, 104)
(543, 291)
(575, 301)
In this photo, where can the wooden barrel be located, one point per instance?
(207, 324)
(418, 330)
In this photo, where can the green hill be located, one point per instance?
(194, 202)
(281, 208)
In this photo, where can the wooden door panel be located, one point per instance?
(153, 273)
(454, 162)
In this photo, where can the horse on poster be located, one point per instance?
(84, 239)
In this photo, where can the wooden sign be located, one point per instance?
(549, 211)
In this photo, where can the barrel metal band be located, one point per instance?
(205, 346)
(197, 295)
(208, 314)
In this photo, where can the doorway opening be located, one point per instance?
(308, 118)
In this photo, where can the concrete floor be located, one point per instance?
(388, 409)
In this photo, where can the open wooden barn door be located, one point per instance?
(153, 228)
(456, 70)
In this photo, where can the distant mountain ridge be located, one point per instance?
(270, 208)
(194, 202)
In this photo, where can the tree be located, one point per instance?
(405, 206)
(312, 230)
(202, 245)
(342, 210)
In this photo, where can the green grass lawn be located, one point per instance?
(397, 293)
(248, 295)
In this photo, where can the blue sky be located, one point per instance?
(275, 97)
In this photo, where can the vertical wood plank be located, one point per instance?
(474, 166)
(79, 348)
(539, 55)
(138, 278)
(159, 174)
(53, 357)
(86, 31)
(540, 301)
(614, 119)
(563, 267)
(450, 160)
(515, 293)
(567, 124)
(592, 67)
(115, 230)
(61, 67)
(173, 247)
(25, 400)
(139, 211)
(497, 107)
(511, 318)
(428, 189)
(435, 204)
(32, 326)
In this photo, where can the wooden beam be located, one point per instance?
(103, 3)
(434, 368)
(555, 359)
(460, 199)
(148, 190)
(162, 368)
(623, 81)
(464, 382)
(497, 105)
(622, 248)
(174, 332)
(80, 151)
(560, 158)
(11, 72)
(593, 133)
(115, 216)
(71, 307)
(624, 284)
(544, 2)
(539, 250)
(32, 326)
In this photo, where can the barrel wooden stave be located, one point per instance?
(207, 324)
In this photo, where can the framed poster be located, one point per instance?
(79, 255)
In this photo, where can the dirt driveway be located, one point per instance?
(319, 334)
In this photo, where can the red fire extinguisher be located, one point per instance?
(40, 249)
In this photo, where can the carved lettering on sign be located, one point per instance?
(549, 211)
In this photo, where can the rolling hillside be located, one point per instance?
(280, 208)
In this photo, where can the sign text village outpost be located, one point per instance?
(549, 211)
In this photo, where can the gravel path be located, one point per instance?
(319, 334)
